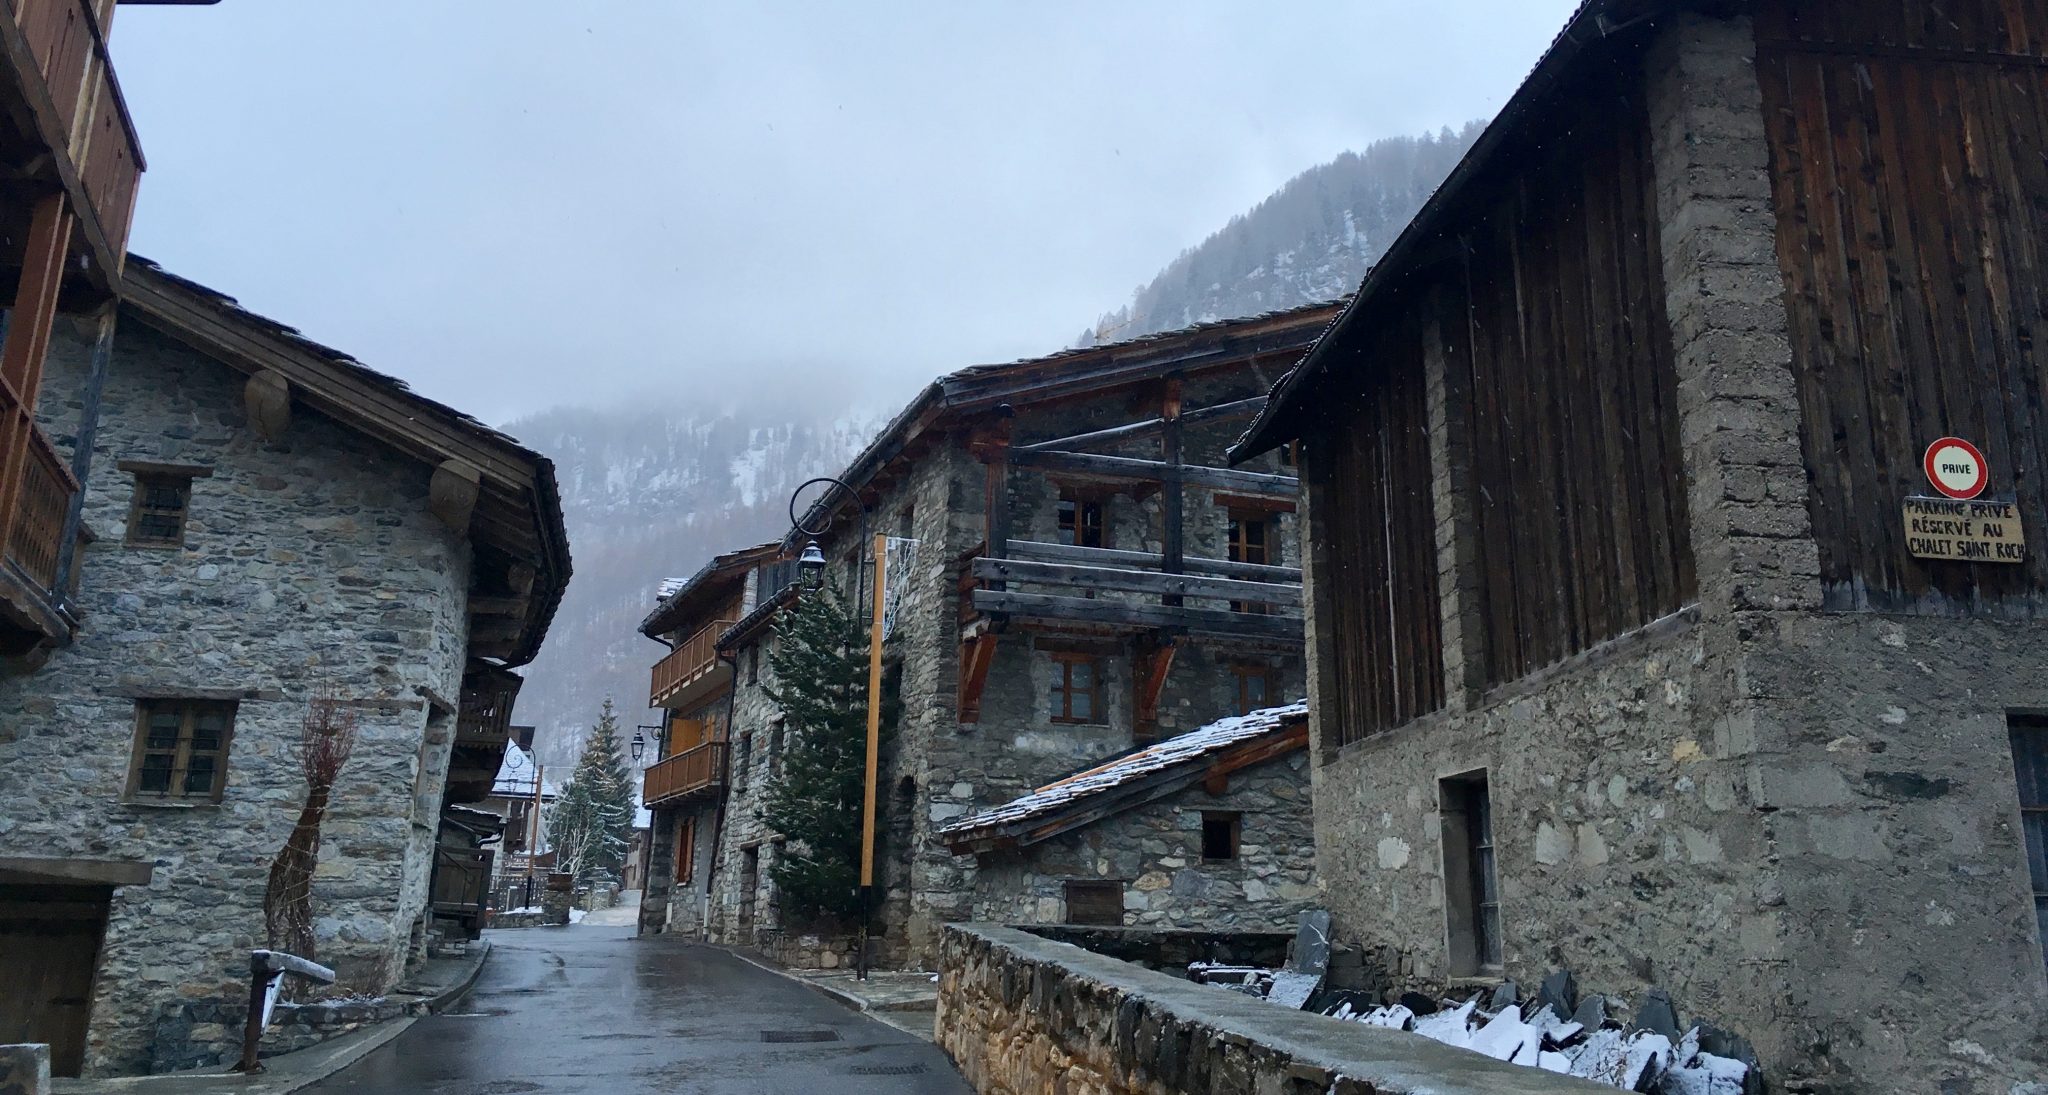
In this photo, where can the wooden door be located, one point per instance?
(49, 948)
(684, 734)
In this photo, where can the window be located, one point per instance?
(746, 752)
(754, 664)
(1290, 455)
(1471, 880)
(1254, 687)
(1077, 689)
(181, 749)
(1251, 537)
(686, 852)
(906, 523)
(156, 516)
(1081, 520)
(2030, 766)
(1095, 903)
(1219, 835)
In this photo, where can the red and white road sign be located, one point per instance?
(1956, 468)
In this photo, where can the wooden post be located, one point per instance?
(81, 452)
(874, 758)
(1171, 495)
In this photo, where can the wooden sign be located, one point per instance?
(1965, 531)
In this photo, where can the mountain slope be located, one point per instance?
(1312, 240)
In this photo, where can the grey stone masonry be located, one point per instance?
(309, 566)
(25, 1070)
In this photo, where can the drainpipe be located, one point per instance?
(81, 456)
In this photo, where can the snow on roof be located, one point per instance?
(1193, 745)
(515, 774)
(668, 588)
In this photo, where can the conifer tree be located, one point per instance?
(591, 824)
(819, 669)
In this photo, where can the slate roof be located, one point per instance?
(1189, 750)
(674, 591)
(1294, 392)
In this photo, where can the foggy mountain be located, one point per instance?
(652, 494)
(1312, 240)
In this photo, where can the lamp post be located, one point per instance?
(811, 571)
(639, 745)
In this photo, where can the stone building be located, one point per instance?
(1651, 636)
(1208, 829)
(1120, 590)
(684, 789)
(267, 521)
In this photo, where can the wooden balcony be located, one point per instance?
(680, 676)
(691, 775)
(30, 612)
(67, 91)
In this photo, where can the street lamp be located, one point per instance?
(810, 568)
(639, 744)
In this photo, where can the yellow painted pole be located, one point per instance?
(867, 812)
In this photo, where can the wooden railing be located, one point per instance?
(688, 772)
(68, 44)
(486, 715)
(36, 541)
(690, 660)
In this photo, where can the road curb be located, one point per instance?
(844, 999)
(438, 1002)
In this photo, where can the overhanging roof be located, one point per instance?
(697, 593)
(1069, 373)
(1133, 780)
(519, 508)
(1425, 236)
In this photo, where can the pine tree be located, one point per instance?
(820, 673)
(591, 824)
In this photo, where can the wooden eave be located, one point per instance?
(960, 398)
(707, 590)
(518, 509)
(1111, 801)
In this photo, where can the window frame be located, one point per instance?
(1071, 518)
(2028, 734)
(1266, 675)
(1064, 691)
(1472, 907)
(181, 750)
(1101, 886)
(139, 509)
(1232, 834)
(1237, 544)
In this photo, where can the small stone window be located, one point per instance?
(1220, 834)
(745, 754)
(181, 750)
(1081, 520)
(1471, 877)
(1254, 687)
(1077, 690)
(754, 664)
(2030, 766)
(161, 503)
(1095, 902)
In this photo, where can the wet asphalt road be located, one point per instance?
(591, 1009)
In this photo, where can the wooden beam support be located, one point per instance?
(268, 399)
(1136, 581)
(1154, 660)
(453, 492)
(1221, 412)
(1172, 497)
(1127, 469)
(977, 653)
(1209, 621)
(1118, 558)
(515, 605)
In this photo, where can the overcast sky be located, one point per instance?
(518, 204)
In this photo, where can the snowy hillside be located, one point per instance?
(649, 495)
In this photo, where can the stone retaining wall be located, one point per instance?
(1172, 950)
(204, 1035)
(1020, 1014)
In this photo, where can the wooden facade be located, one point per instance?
(1910, 165)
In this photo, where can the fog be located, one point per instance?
(517, 205)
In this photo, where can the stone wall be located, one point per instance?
(206, 1034)
(1156, 851)
(25, 1069)
(1172, 950)
(308, 566)
(1022, 1015)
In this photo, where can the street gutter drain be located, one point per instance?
(799, 1035)
(889, 1070)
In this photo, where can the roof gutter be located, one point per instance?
(1593, 23)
